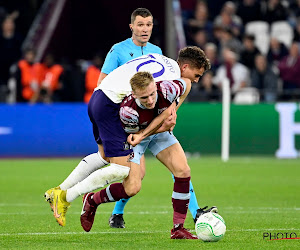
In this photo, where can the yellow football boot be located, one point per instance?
(60, 206)
(49, 196)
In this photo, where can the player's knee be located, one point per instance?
(143, 167)
(183, 172)
(143, 173)
(133, 190)
(134, 187)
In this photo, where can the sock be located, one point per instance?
(91, 200)
(193, 205)
(85, 167)
(98, 179)
(120, 205)
(180, 199)
(113, 192)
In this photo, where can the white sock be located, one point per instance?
(87, 165)
(98, 179)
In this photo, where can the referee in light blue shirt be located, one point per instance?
(122, 52)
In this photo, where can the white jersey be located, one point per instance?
(116, 85)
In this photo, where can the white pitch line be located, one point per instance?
(146, 213)
(140, 232)
(163, 207)
(159, 212)
(76, 213)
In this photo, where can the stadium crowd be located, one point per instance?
(254, 44)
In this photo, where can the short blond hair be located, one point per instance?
(141, 80)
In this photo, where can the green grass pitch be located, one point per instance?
(254, 195)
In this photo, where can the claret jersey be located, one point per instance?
(134, 116)
(116, 85)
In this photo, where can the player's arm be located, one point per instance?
(170, 122)
(187, 91)
(152, 128)
(111, 62)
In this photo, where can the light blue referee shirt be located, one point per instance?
(124, 51)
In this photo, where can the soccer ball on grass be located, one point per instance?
(210, 227)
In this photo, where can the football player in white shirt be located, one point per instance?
(103, 112)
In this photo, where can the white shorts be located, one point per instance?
(155, 143)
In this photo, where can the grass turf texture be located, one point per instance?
(254, 195)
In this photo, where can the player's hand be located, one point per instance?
(173, 118)
(134, 139)
(169, 123)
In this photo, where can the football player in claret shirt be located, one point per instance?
(147, 101)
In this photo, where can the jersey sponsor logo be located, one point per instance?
(152, 60)
(156, 74)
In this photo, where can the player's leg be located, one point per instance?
(161, 142)
(168, 150)
(105, 113)
(87, 165)
(131, 185)
(114, 192)
(116, 220)
(193, 205)
(106, 125)
(174, 159)
(59, 198)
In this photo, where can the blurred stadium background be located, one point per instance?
(264, 120)
(255, 191)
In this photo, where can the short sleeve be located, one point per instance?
(111, 61)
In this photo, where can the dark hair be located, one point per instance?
(143, 12)
(194, 56)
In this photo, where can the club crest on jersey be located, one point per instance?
(131, 156)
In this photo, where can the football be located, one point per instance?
(210, 227)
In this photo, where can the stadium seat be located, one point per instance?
(260, 30)
(247, 95)
(283, 31)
